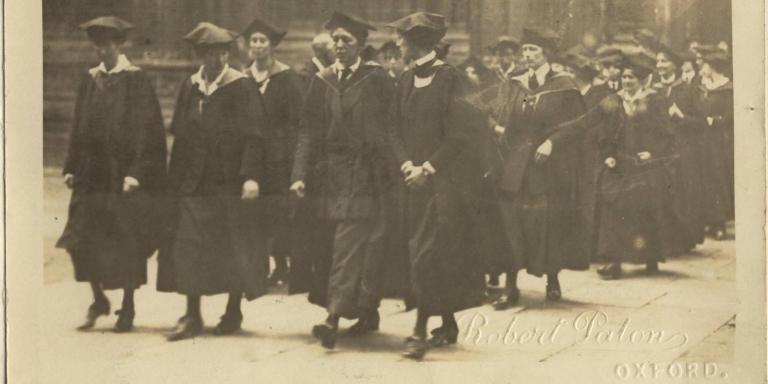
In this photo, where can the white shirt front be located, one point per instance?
(339, 67)
(208, 89)
(540, 73)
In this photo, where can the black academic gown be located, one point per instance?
(118, 132)
(433, 123)
(717, 105)
(216, 241)
(343, 157)
(540, 201)
(279, 108)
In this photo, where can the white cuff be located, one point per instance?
(251, 184)
(406, 165)
(429, 168)
(131, 181)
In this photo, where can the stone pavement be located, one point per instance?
(677, 326)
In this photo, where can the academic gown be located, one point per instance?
(539, 202)
(343, 157)
(717, 106)
(118, 131)
(688, 201)
(279, 102)
(216, 241)
(433, 123)
(636, 225)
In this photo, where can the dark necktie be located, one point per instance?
(426, 69)
(533, 82)
(345, 74)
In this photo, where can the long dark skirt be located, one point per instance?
(636, 222)
(109, 237)
(311, 252)
(219, 246)
(447, 272)
(718, 176)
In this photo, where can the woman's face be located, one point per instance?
(706, 70)
(688, 70)
(259, 46)
(106, 50)
(663, 64)
(629, 81)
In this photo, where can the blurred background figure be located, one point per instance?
(391, 59)
(323, 56)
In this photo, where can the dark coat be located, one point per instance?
(343, 157)
(434, 123)
(215, 243)
(118, 132)
(531, 118)
(637, 222)
(717, 105)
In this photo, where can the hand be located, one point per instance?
(69, 180)
(416, 178)
(250, 190)
(407, 168)
(710, 120)
(674, 110)
(610, 163)
(543, 153)
(298, 188)
(499, 131)
(644, 155)
(130, 184)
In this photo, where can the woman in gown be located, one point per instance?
(116, 169)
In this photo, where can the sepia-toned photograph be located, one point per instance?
(489, 191)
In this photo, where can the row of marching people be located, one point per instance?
(360, 155)
(425, 181)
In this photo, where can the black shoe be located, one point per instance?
(124, 320)
(415, 347)
(96, 309)
(610, 272)
(652, 267)
(229, 324)
(326, 334)
(443, 336)
(507, 301)
(188, 327)
(553, 291)
(366, 324)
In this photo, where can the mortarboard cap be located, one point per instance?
(354, 25)
(206, 34)
(424, 28)
(274, 33)
(107, 27)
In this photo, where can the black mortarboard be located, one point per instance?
(545, 38)
(356, 26)
(424, 28)
(274, 33)
(107, 27)
(640, 64)
(505, 42)
(206, 34)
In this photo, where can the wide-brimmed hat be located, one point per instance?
(107, 27)
(424, 28)
(209, 34)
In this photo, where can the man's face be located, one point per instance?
(664, 66)
(392, 61)
(505, 56)
(346, 47)
(259, 46)
(533, 56)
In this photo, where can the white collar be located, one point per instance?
(712, 84)
(338, 66)
(198, 80)
(509, 70)
(425, 59)
(121, 65)
(541, 73)
(668, 80)
(319, 64)
(584, 90)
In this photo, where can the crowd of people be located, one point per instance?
(373, 173)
